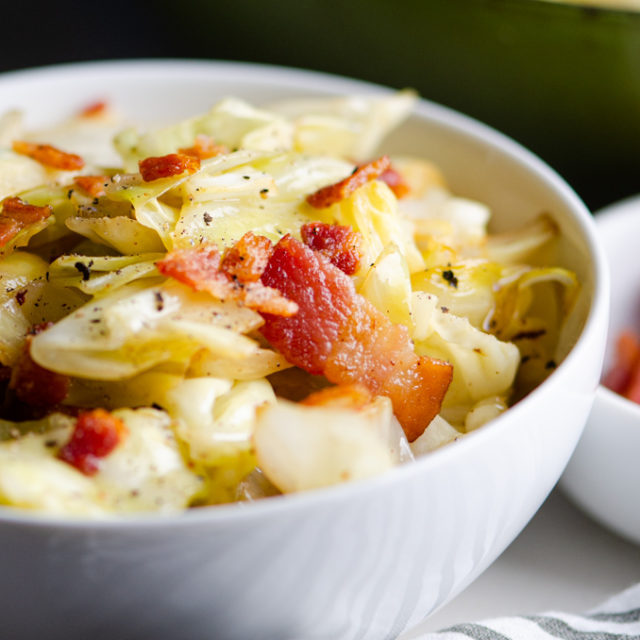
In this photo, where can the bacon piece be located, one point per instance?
(203, 269)
(333, 193)
(338, 333)
(247, 259)
(204, 147)
(627, 359)
(325, 298)
(341, 244)
(9, 229)
(94, 185)
(96, 434)
(173, 164)
(34, 385)
(395, 182)
(49, 156)
(198, 268)
(346, 396)
(93, 109)
(16, 215)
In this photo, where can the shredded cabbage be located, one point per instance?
(211, 410)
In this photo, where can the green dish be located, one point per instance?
(562, 79)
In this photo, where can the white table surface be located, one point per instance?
(562, 561)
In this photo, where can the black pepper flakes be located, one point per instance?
(207, 217)
(449, 276)
(551, 364)
(159, 301)
(84, 270)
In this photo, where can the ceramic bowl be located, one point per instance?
(362, 560)
(604, 475)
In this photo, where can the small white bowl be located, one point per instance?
(603, 477)
(362, 560)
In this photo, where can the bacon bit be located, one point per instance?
(16, 215)
(395, 182)
(23, 212)
(9, 229)
(257, 296)
(342, 396)
(203, 269)
(204, 147)
(93, 109)
(34, 385)
(624, 376)
(173, 164)
(96, 434)
(340, 244)
(338, 333)
(21, 296)
(333, 193)
(49, 156)
(93, 185)
(247, 259)
(39, 328)
(198, 268)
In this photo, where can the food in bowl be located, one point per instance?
(249, 302)
(358, 559)
(623, 376)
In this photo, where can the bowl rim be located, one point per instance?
(611, 217)
(616, 402)
(265, 74)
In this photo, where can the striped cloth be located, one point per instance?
(616, 619)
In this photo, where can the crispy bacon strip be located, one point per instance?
(198, 268)
(173, 164)
(33, 385)
(338, 333)
(228, 278)
(395, 182)
(345, 396)
(247, 259)
(16, 215)
(333, 193)
(94, 185)
(9, 229)
(204, 147)
(96, 434)
(49, 156)
(93, 109)
(339, 243)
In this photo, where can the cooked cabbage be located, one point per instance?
(212, 411)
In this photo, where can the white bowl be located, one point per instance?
(363, 560)
(603, 476)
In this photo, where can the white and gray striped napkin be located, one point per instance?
(616, 619)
